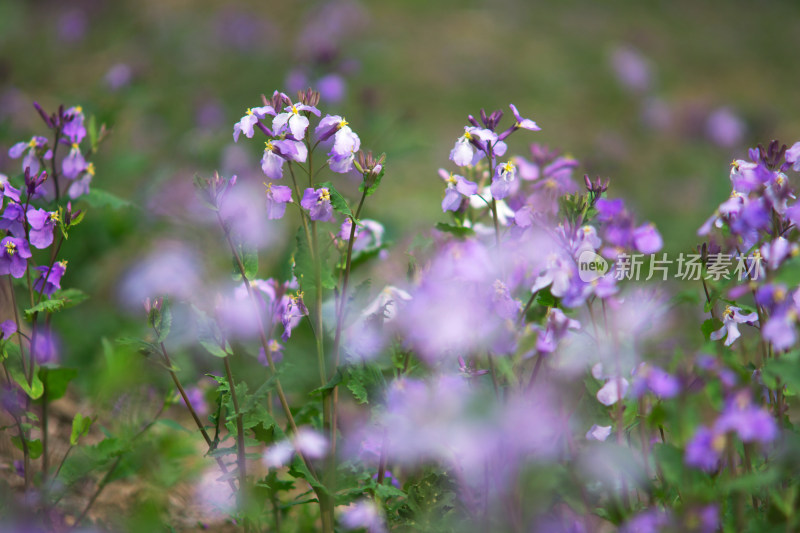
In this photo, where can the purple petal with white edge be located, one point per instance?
(345, 142)
(310, 108)
(327, 127)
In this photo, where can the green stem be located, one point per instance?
(240, 452)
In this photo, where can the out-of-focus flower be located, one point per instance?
(53, 281)
(600, 433)
(363, 514)
(725, 128)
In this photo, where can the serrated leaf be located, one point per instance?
(80, 427)
(458, 231)
(338, 202)
(100, 198)
(330, 385)
(63, 299)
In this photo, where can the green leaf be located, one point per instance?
(457, 231)
(338, 201)
(361, 379)
(249, 257)
(709, 326)
(305, 269)
(100, 198)
(34, 390)
(92, 130)
(80, 427)
(63, 299)
(545, 298)
(209, 335)
(785, 368)
(330, 385)
(173, 425)
(143, 347)
(34, 446)
(55, 381)
(371, 185)
(160, 319)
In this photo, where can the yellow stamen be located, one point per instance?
(11, 248)
(719, 442)
(90, 169)
(78, 109)
(32, 143)
(324, 196)
(269, 146)
(343, 123)
(249, 111)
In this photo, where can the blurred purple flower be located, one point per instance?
(632, 69)
(119, 76)
(725, 128)
(318, 204)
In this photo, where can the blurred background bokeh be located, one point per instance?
(658, 96)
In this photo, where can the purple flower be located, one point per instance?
(363, 515)
(13, 256)
(331, 88)
(292, 120)
(632, 69)
(292, 311)
(524, 123)
(6, 190)
(503, 180)
(613, 391)
(80, 186)
(277, 198)
(457, 186)
(600, 433)
(731, 318)
(471, 146)
(53, 282)
(792, 156)
(7, 328)
(74, 164)
(318, 204)
(197, 399)
(750, 422)
(276, 152)
(275, 350)
(249, 120)
(725, 128)
(73, 124)
(45, 347)
(558, 325)
(657, 380)
(13, 220)
(647, 240)
(650, 521)
(42, 224)
(31, 150)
